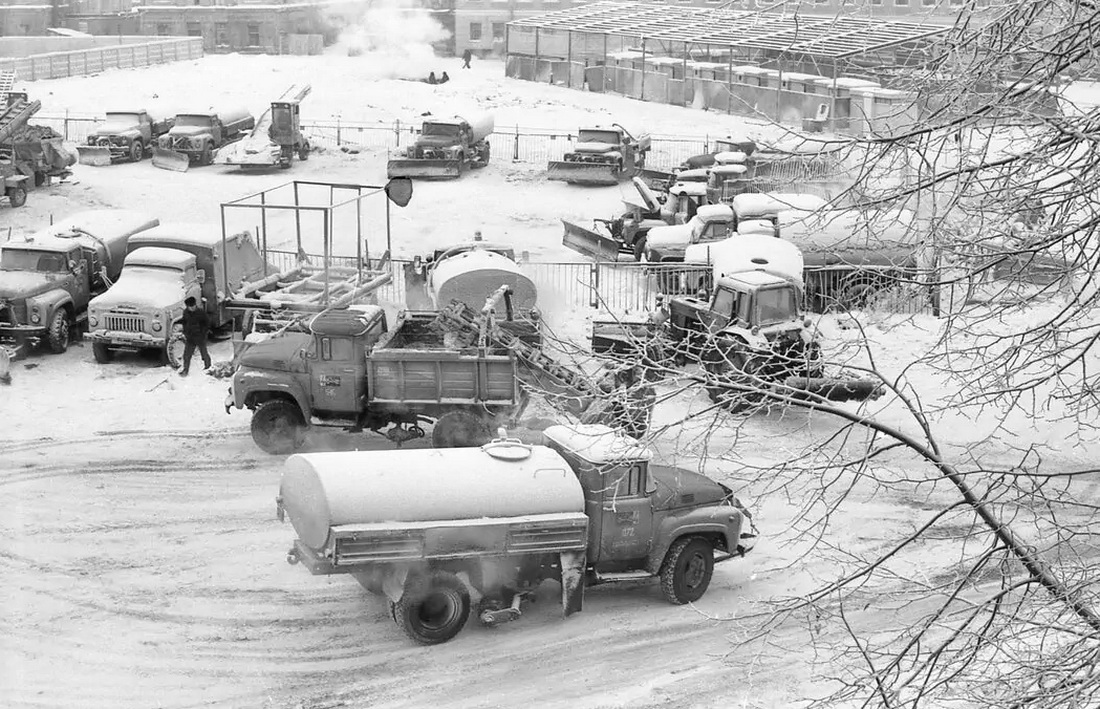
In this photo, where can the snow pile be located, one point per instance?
(395, 37)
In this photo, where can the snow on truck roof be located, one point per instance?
(159, 256)
(185, 233)
(349, 322)
(597, 443)
(711, 212)
(107, 224)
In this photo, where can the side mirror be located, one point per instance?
(200, 276)
(72, 266)
(399, 190)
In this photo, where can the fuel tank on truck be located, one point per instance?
(104, 231)
(473, 276)
(481, 125)
(320, 491)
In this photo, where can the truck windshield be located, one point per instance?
(776, 305)
(26, 260)
(444, 130)
(193, 121)
(130, 118)
(598, 136)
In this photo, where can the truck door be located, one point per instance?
(627, 514)
(722, 309)
(335, 380)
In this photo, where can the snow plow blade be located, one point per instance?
(423, 168)
(837, 389)
(590, 243)
(167, 159)
(656, 179)
(582, 173)
(96, 155)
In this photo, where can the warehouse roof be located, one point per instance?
(829, 37)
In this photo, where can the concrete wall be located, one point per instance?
(17, 47)
(82, 62)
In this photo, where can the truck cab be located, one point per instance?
(711, 223)
(198, 135)
(128, 135)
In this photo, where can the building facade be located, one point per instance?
(227, 26)
(22, 18)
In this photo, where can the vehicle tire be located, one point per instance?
(171, 354)
(40, 178)
(857, 294)
(303, 152)
(17, 196)
(433, 608)
(59, 331)
(687, 570)
(460, 429)
(137, 151)
(639, 248)
(278, 427)
(484, 157)
(207, 157)
(102, 352)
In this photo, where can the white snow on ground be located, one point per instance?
(140, 562)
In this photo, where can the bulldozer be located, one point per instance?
(276, 138)
(601, 156)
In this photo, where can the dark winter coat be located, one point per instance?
(196, 323)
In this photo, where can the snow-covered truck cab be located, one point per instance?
(197, 135)
(143, 309)
(426, 528)
(711, 223)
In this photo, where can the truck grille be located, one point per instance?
(124, 323)
(181, 143)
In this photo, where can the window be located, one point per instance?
(901, 3)
(498, 30)
(253, 35)
(475, 31)
(723, 302)
(630, 482)
(928, 3)
(163, 30)
(336, 349)
(221, 34)
(194, 29)
(876, 2)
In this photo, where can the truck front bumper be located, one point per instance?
(127, 340)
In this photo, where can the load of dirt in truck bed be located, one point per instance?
(431, 334)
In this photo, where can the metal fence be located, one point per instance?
(92, 60)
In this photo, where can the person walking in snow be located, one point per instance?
(466, 56)
(196, 323)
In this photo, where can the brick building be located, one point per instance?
(235, 26)
(27, 17)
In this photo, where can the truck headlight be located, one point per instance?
(93, 321)
(35, 317)
(157, 327)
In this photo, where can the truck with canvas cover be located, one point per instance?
(164, 267)
(626, 234)
(601, 156)
(195, 137)
(429, 528)
(445, 148)
(749, 333)
(276, 138)
(471, 272)
(124, 136)
(455, 368)
(48, 279)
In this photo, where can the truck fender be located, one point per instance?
(393, 583)
(249, 385)
(706, 522)
(48, 303)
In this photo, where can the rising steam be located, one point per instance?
(394, 36)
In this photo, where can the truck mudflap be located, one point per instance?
(411, 167)
(583, 173)
(837, 389)
(167, 159)
(655, 179)
(95, 155)
(573, 565)
(590, 243)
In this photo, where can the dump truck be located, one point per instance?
(35, 152)
(195, 137)
(455, 368)
(124, 136)
(48, 279)
(276, 138)
(749, 333)
(445, 148)
(471, 272)
(164, 266)
(626, 234)
(601, 156)
(428, 528)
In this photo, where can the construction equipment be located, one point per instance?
(124, 135)
(195, 137)
(445, 148)
(601, 156)
(276, 138)
(30, 156)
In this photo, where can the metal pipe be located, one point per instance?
(297, 217)
(263, 229)
(328, 254)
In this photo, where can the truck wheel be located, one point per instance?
(136, 151)
(57, 336)
(434, 608)
(303, 152)
(639, 248)
(17, 196)
(278, 427)
(687, 569)
(460, 429)
(102, 353)
(171, 354)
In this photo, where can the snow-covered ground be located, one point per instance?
(140, 561)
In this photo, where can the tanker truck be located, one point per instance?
(445, 148)
(470, 273)
(427, 528)
(195, 137)
(48, 279)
